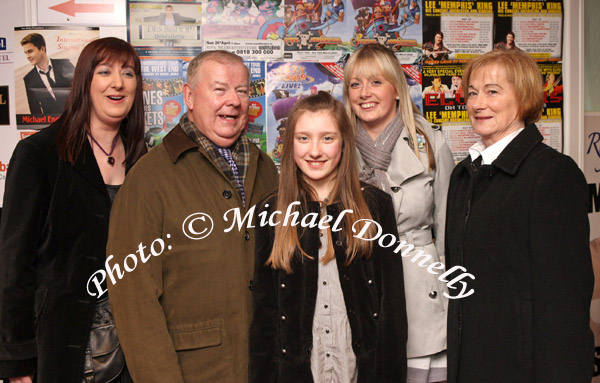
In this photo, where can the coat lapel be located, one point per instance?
(405, 163)
(88, 168)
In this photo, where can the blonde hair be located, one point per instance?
(377, 59)
(294, 187)
(522, 72)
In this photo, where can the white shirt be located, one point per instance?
(45, 78)
(489, 154)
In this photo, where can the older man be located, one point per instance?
(182, 306)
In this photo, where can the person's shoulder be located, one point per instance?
(31, 73)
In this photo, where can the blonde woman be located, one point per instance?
(402, 154)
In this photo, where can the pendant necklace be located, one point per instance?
(110, 159)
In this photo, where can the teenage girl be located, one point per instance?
(328, 306)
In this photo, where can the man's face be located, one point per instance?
(437, 82)
(169, 11)
(34, 55)
(456, 80)
(438, 38)
(218, 103)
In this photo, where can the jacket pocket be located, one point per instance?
(526, 316)
(197, 335)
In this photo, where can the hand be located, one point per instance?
(21, 379)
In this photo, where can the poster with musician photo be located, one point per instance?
(532, 26)
(164, 29)
(288, 82)
(44, 70)
(456, 31)
(443, 95)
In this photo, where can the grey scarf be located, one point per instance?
(378, 154)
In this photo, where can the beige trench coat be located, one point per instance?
(419, 197)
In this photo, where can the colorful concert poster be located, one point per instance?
(316, 27)
(288, 82)
(163, 81)
(443, 95)
(532, 26)
(456, 31)
(257, 111)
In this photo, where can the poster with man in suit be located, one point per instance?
(44, 72)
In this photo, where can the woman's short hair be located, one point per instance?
(522, 72)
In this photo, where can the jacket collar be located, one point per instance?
(515, 153)
(178, 142)
(405, 164)
(88, 167)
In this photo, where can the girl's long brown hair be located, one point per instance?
(74, 123)
(346, 189)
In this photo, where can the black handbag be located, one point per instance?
(104, 359)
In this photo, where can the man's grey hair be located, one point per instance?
(220, 56)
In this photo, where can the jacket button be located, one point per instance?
(226, 194)
(247, 236)
(283, 318)
(370, 282)
(283, 351)
(433, 294)
(357, 344)
(346, 277)
(375, 315)
(251, 285)
(351, 312)
(338, 243)
(283, 286)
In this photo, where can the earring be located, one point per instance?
(397, 98)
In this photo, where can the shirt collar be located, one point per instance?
(490, 153)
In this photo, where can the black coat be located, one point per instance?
(520, 226)
(52, 239)
(39, 98)
(373, 291)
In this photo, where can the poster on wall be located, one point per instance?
(163, 80)
(288, 82)
(257, 110)
(443, 96)
(456, 30)
(243, 19)
(4, 106)
(532, 26)
(550, 125)
(414, 80)
(459, 137)
(44, 71)
(315, 29)
(164, 29)
(592, 174)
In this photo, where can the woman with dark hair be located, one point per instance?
(518, 220)
(54, 229)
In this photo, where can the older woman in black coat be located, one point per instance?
(517, 220)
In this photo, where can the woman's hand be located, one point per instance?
(21, 379)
